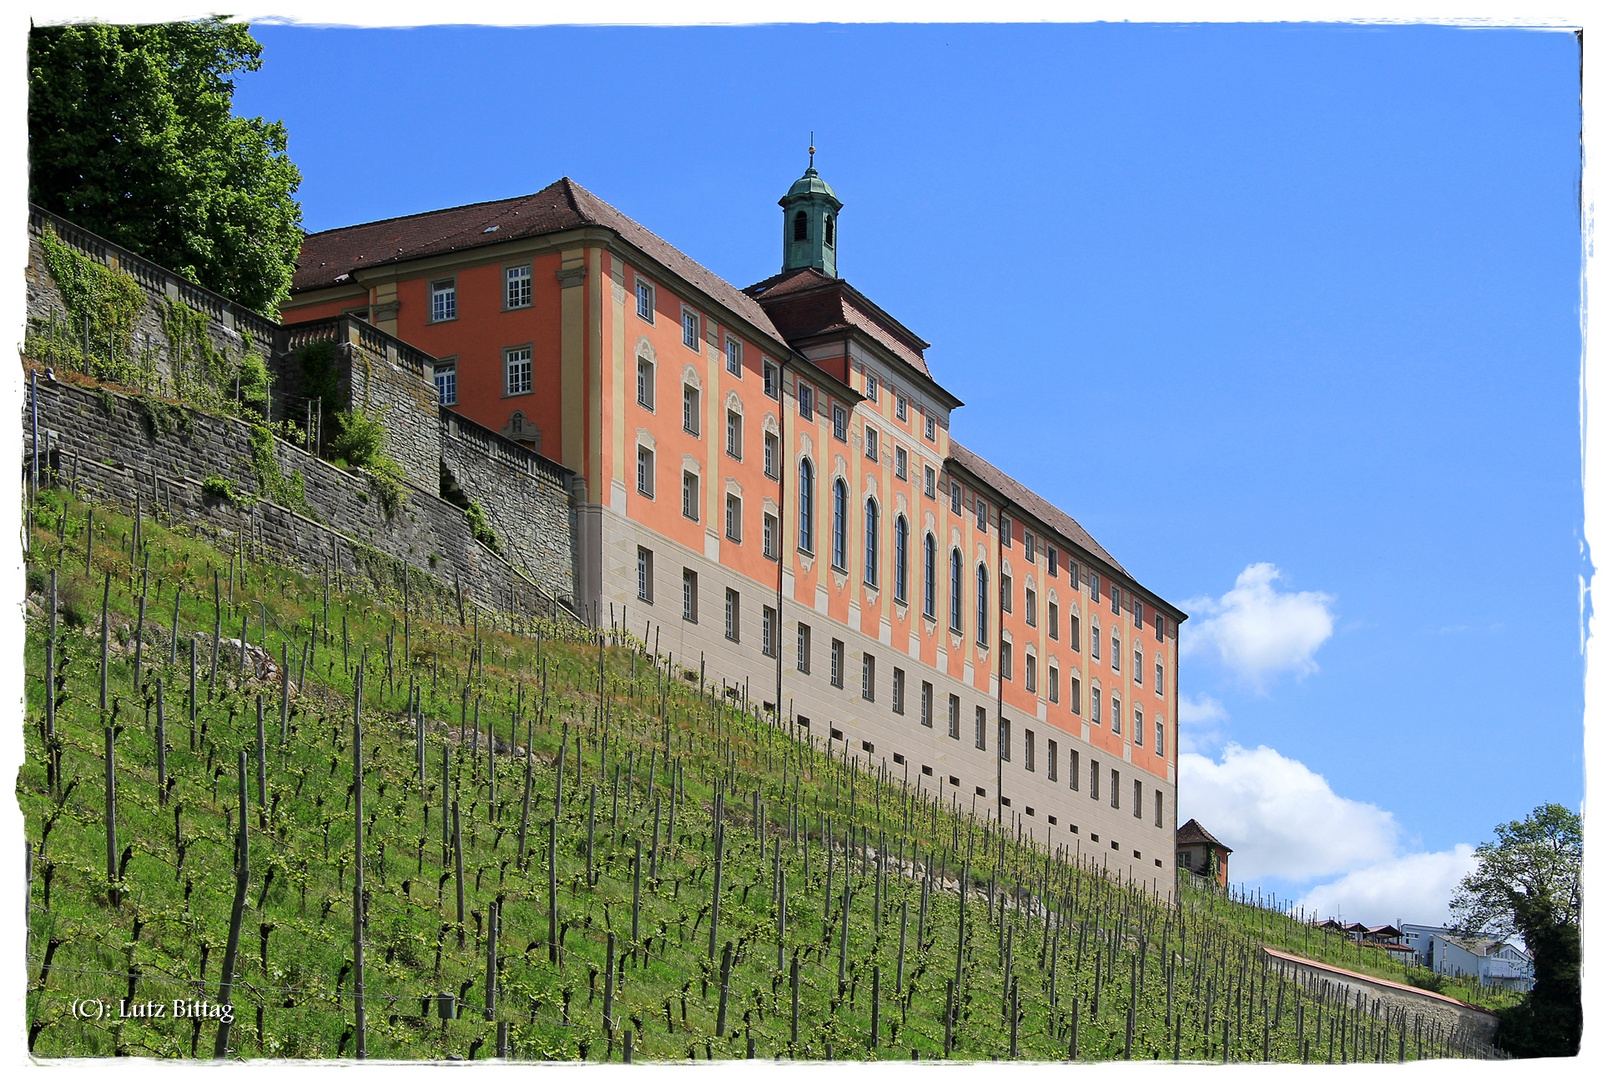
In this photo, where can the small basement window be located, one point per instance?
(867, 747)
(1115, 846)
(1052, 819)
(926, 770)
(898, 759)
(1003, 801)
(954, 781)
(1030, 811)
(836, 734)
(804, 722)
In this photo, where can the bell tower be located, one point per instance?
(809, 222)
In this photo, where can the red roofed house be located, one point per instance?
(766, 476)
(1201, 853)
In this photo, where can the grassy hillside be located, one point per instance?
(757, 895)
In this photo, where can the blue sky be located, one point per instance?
(1299, 296)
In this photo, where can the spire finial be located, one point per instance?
(812, 149)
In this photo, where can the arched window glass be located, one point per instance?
(871, 541)
(840, 525)
(982, 604)
(901, 559)
(806, 506)
(954, 591)
(929, 577)
(801, 226)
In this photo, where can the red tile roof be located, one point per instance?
(327, 256)
(1192, 832)
(1034, 504)
(804, 303)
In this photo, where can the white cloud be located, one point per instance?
(1281, 818)
(1416, 888)
(1199, 720)
(1256, 631)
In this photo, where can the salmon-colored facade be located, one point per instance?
(766, 482)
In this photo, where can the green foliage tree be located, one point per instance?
(1528, 883)
(131, 134)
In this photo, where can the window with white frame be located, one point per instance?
(689, 495)
(733, 616)
(926, 704)
(1074, 695)
(1004, 739)
(1054, 621)
(1161, 732)
(689, 595)
(982, 516)
(689, 329)
(1072, 769)
(803, 648)
(954, 496)
(981, 734)
(516, 286)
(872, 541)
(901, 463)
(840, 525)
(954, 590)
(1138, 611)
(1074, 636)
(645, 470)
(1116, 790)
(870, 386)
(769, 632)
(806, 401)
(901, 407)
(1030, 604)
(1159, 673)
(1027, 750)
(806, 506)
(645, 383)
(773, 380)
(1158, 626)
(1055, 683)
(1050, 755)
(871, 442)
(840, 423)
(446, 381)
(898, 691)
(516, 363)
(1005, 660)
(982, 604)
(1007, 602)
(773, 455)
(1138, 726)
(734, 518)
(644, 575)
(771, 527)
(954, 716)
(644, 300)
(1094, 706)
(901, 559)
(1138, 798)
(929, 576)
(932, 428)
(837, 663)
(929, 481)
(443, 300)
(1006, 528)
(734, 357)
(1116, 599)
(1116, 651)
(1030, 673)
(1158, 808)
(1116, 715)
(1050, 560)
(689, 408)
(868, 677)
(1138, 665)
(734, 434)
(1029, 541)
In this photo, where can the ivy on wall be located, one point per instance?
(103, 304)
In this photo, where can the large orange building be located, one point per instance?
(768, 476)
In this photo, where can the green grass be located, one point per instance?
(642, 734)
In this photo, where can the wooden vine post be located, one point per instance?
(232, 949)
(359, 1013)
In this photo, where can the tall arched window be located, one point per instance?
(982, 604)
(806, 505)
(929, 576)
(840, 525)
(954, 590)
(901, 559)
(871, 542)
(801, 226)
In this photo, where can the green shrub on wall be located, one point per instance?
(360, 443)
(288, 491)
(103, 304)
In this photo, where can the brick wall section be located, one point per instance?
(112, 452)
(1476, 1026)
(524, 495)
(395, 386)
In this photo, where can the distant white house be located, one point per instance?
(1494, 963)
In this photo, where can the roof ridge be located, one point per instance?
(427, 213)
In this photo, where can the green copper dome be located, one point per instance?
(809, 223)
(811, 184)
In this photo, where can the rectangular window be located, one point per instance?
(900, 407)
(929, 481)
(932, 428)
(1055, 684)
(1050, 757)
(689, 595)
(870, 386)
(840, 423)
(773, 380)
(954, 716)
(1074, 687)
(1116, 652)
(1138, 611)
(1072, 768)
(1161, 732)
(901, 463)
(689, 409)
(446, 380)
(689, 496)
(1094, 587)
(868, 677)
(1005, 530)
(734, 357)
(1030, 670)
(773, 455)
(644, 575)
(1094, 641)
(1158, 808)
(1138, 799)
(1138, 726)
(1055, 621)
(645, 471)
(516, 281)
(733, 616)
(443, 300)
(770, 638)
(1094, 779)
(1116, 600)
(1050, 557)
(898, 691)
(644, 300)
(769, 538)
(1074, 633)
(1158, 626)
(1094, 706)
(1116, 715)
(1004, 739)
(1027, 750)
(803, 648)
(734, 434)
(871, 442)
(1138, 665)
(954, 497)
(1006, 603)
(837, 662)
(1031, 613)
(806, 401)
(1116, 790)
(645, 382)
(926, 704)
(1005, 664)
(982, 516)
(982, 728)
(689, 329)
(516, 362)
(734, 519)
(1027, 544)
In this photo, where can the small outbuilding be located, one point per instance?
(1201, 853)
